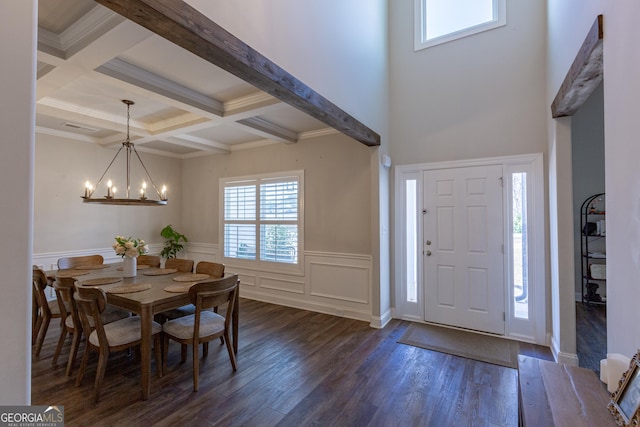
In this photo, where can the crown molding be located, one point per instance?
(80, 34)
(68, 135)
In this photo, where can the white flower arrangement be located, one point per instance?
(128, 246)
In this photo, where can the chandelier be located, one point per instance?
(110, 197)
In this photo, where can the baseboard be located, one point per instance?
(301, 304)
(380, 322)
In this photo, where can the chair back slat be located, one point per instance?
(91, 303)
(71, 262)
(65, 289)
(212, 293)
(180, 264)
(150, 260)
(215, 270)
(39, 287)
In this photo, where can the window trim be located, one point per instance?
(270, 266)
(419, 25)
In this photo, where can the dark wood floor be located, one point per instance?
(591, 335)
(295, 368)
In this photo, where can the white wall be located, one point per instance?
(337, 190)
(17, 42)
(337, 269)
(569, 22)
(480, 96)
(338, 48)
(64, 223)
(622, 174)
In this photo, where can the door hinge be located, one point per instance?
(504, 316)
(501, 181)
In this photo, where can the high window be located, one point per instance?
(441, 21)
(262, 219)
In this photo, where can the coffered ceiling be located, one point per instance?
(90, 59)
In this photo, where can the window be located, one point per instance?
(262, 218)
(519, 245)
(411, 198)
(441, 21)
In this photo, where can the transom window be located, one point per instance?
(262, 218)
(441, 21)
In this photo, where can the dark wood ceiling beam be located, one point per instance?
(584, 75)
(183, 25)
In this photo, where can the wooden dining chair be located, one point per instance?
(204, 325)
(107, 338)
(71, 324)
(215, 271)
(180, 264)
(45, 310)
(72, 262)
(150, 260)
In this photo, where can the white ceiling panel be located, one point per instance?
(227, 134)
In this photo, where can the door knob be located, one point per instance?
(428, 242)
(428, 253)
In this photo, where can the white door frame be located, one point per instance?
(532, 330)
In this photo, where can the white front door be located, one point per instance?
(463, 248)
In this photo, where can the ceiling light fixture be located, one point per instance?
(110, 198)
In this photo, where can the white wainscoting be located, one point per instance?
(49, 260)
(333, 283)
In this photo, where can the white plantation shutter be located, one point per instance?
(240, 203)
(239, 216)
(262, 218)
(279, 200)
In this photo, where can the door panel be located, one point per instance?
(463, 241)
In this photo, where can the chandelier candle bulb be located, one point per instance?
(87, 189)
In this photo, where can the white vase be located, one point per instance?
(129, 266)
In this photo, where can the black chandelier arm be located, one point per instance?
(146, 171)
(106, 170)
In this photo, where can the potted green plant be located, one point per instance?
(174, 242)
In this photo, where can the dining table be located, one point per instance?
(149, 292)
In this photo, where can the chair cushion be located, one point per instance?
(123, 331)
(182, 328)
